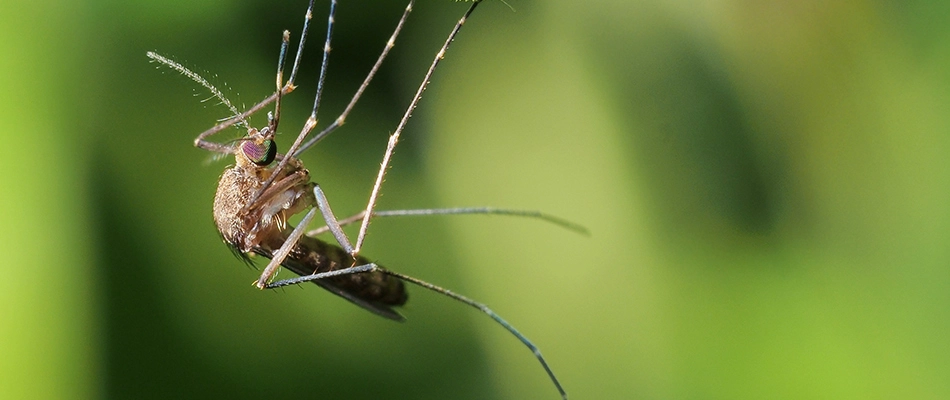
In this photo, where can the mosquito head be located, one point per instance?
(259, 147)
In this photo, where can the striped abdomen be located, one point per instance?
(374, 291)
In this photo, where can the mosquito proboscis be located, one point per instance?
(256, 197)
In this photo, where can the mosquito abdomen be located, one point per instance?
(310, 256)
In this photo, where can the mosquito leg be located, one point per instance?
(359, 92)
(241, 118)
(203, 144)
(394, 138)
(461, 211)
(303, 39)
(323, 68)
(275, 118)
(323, 275)
(440, 290)
(483, 308)
(332, 224)
(284, 250)
(213, 146)
(312, 120)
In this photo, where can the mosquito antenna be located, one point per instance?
(394, 138)
(339, 121)
(198, 79)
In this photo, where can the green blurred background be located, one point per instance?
(766, 183)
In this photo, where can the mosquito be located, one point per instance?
(256, 197)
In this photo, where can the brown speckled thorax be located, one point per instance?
(244, 229)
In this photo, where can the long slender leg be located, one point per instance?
(303, 39)
(284, 250)
(200, 141)
(445, 292)
(394, 138)
(332, 224)
(460, 211)
(275, 117)
(322, 203)
(312, 120)
(323, 67)
(242, 117)
(323, 275)
(340, 120)
(483, 308)
(335, 226)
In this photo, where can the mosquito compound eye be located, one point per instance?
(262, 153)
